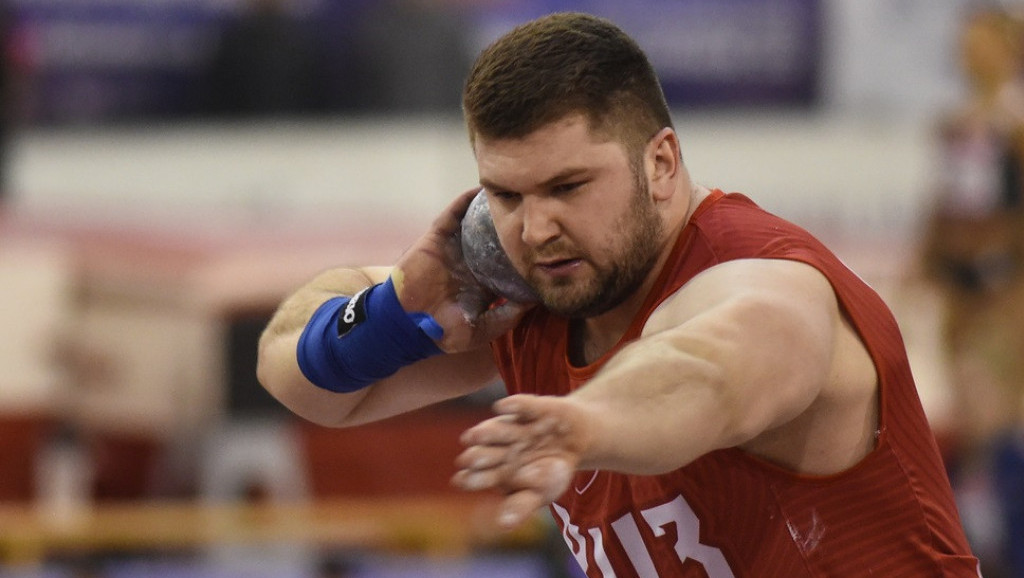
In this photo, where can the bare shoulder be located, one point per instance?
(774, 283)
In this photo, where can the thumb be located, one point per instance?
(502, 318)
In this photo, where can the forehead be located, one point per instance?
(565, 144)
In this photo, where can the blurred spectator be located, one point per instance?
(5, 94)
(412, 56)
(267, 63)
(12, 69)
(973, 250)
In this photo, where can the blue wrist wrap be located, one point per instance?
(350, 343)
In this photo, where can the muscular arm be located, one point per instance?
(742, 349)
(429, 381)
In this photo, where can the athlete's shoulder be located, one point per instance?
(732, 210)
(734, 226)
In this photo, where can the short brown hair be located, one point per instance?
(560, 64)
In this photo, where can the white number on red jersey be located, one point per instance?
(626, 531)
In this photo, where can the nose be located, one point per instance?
(540, 220)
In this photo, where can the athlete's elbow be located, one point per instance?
(278, 373)
(290, 388)
(269, 361)
(268, 374)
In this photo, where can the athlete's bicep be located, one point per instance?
(770, 327)
(792, 285)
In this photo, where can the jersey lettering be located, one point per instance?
(625, 530)
(688, 543)
(571, 535)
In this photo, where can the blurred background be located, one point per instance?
(170, 169)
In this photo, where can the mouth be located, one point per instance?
(558, 266)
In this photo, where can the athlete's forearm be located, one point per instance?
(648, 412)
(413, 386)
(277, 364)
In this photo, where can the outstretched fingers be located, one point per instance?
(527, 487)
(525, 455)
(491, 448)
(541, 483)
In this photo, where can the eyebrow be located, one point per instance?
(560, 177)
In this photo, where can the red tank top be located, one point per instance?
(729, 514)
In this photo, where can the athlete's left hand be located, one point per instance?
(530, 452)
(432, 277)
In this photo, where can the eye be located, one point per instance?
(563, 188)
(503, 196)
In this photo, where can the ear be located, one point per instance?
(663, 163)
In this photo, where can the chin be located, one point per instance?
(571, 308)
(559, 304)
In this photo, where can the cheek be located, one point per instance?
(509, 231)
(596, 228)
(613, 228)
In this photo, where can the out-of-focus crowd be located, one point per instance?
(973, 252)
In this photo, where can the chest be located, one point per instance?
(726, 516)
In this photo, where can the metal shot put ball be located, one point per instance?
(485, 257)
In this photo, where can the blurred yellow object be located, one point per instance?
(448, 525)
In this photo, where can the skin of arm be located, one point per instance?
(741, 350)
(406, 390)
(430, 277)
(736, 353)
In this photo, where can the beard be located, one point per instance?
(636, 244)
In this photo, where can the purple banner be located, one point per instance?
(734, 52)
(711, 52)
(110, 60)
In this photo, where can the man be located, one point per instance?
(703, 389)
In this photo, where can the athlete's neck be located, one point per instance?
(697, 195)
(591, 338)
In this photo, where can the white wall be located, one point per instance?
(849, 172)
(893, 57)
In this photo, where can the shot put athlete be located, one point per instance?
(701, 389)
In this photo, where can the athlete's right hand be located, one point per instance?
(432, 277)
(529, 451)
